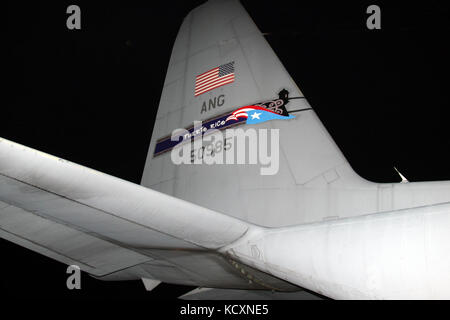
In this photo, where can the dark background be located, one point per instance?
(91, 95)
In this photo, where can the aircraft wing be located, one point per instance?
(103, 224)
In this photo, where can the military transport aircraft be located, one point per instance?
(311, 223)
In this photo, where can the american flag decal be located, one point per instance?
(214, 78)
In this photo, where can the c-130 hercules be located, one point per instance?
(313, 225)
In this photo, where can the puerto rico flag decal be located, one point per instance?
(256, 114)
(251, 114)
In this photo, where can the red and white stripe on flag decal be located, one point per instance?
(214, 78)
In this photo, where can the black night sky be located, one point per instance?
(91, 95)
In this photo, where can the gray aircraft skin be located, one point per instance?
(315, 224)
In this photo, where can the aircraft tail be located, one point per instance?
(223, 72)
